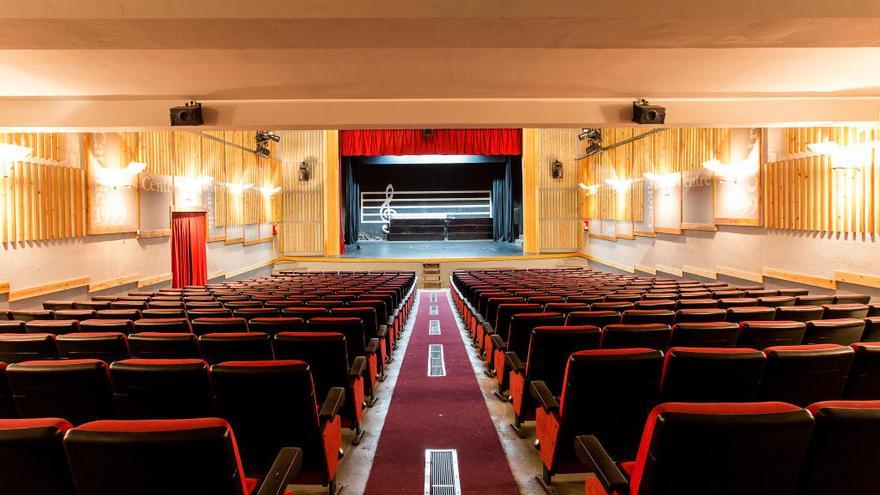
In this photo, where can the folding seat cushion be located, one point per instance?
(162, 388)
(799, 313)
(732, 302)
(599, 319)
(57, 304)
(648, 335)
(7, 406)
(12, 326)
(163, 313)
(119, 314)
(355, 339)
(248, 313)
(235, 346)
(711, 374)
(517, 342)
(106, 346)
(128, 304)
(163, 345)
(841, 331)
(275, 325)
(863, 381)
(57, 327)
(762, 334)
(32, 457)
(637, 316)
(804, 374)
(739, 314)
(849, 310)
(874, 309)
(327, 356)
(718, 448)
(194, 313)
(501, 327)
(271, 405)
(169, 325)
(843, 449)
(607, 393)
(546, 359)
(171, 457)
(852, 299)
(33, 314)
(76, 389)
(201, 326)
(619, 306)
(700, 315)
(667, 304)
(696, 303)
(776, 301)
(813, 300)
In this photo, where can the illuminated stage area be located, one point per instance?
(433, 250)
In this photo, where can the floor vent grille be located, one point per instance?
(434, 328)
(441, 472)
(436, 366)
(433, 297)
(434, 310)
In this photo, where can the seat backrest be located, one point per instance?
(325, 352)
(31, 314)
(12, 326)
(656, 303)
(687, 302)
(96, 325)
(551, 346)
(32, 457)
(74, 314)
(722, 448)
(599, 319)
(162, 388)
(305, 313)
(365, 313)
(163, 313)
(248, 313)
(119, 314)
(845, 310)
(813, 300)
(705, 374)
(274, 325)
(776, 301)
(762, 334)
(738, 314)
(619, 306)
(708, 334)
(169, 325)
(235, 346)
(15, 347)
(506, 312)
(194, 313)
(565, 307)
(806, 374)
(700, 315)
(650, 335)
(106, 346)
(58, 327)
(201, 326)
(352, 328)
(162, 345)
(608, 393)
(270, 405)
(521, 326)
(863, 381)
(799, 313)
(843, 449)
(77, 390)
(840, 331)
(638, 316)
(172, 457)
(852, 299)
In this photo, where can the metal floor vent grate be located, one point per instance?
(434, 327)
(441, 472)
(436, 366)
(434, 310)
(433, 297)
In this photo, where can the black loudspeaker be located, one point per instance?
(645, 113)
(190, 114)
(427, 132)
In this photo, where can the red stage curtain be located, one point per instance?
(374, 142)
(189, 262)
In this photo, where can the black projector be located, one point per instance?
(645, 113)
(190, 114)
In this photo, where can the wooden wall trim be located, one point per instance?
(258, 241)
(667, 230)
(670, 270)
(40, 290)
(603, 237)
(646, 269)
(644, 233)
(149, 234)
(113, 282)
(704, 227)
(155, 279)
(529, 193)
(863, 279)
(332, 206)
(612, 264)
(700, 272)
(234, 240)
(800, 278)
(741, 274)
(4, 287)
(216, 238)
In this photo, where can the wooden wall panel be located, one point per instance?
(558, 221)
(302, 202)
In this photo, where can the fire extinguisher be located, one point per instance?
(274, 230)
(586, 225)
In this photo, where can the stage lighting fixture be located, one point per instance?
(262, 151)
(590, 134)
(556, 169)
(594, 148)
(189, 114)
(305, 172)
(645, 113)
(266, 136)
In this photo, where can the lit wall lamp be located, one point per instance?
(269, 191)
(845, 157)
(664, 182)
(619, 185)
(239, 188)
(10, 153)
(556, 169)
(735, 171)
(590, 189)
(118, 178)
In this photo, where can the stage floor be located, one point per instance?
(433, 249)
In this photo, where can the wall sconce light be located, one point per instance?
(10, 153)
(590, 189)
(269, 191)
(239, 188)
(305, 171)
(736, 171)
(118, 178)
(619, 185)
(844, 157)
(556, 169)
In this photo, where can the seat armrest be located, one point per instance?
(283, 470)
(514, 362)
(330, 408)
(590, 452)
(383, 330)
(389, 321)
(542, 394)
(396, 312)
(372, 346)
(357, 367)
(488, 329)
(498, 343)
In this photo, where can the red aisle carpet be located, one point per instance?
(438, 413)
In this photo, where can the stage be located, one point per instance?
(433, 249)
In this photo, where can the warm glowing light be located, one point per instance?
(844, 157)
(239, 188)
(269, 191)
(619, 184)
(735, 171)
(116, 178)
(11, 153)
(191, 187)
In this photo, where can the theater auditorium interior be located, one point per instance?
(442, 248)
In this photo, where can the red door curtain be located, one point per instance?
(189, 264)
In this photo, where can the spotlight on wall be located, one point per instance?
(619, 185)
(844, 157)
(239, 188)
(118, 178)
(590, 134)
(269, 191)
(556, 169)
(645, 113)
(590, 189)
(262, 151)
(266, 136)
(10, 153)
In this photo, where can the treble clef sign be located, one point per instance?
(386, 211)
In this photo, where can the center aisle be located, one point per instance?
(440, 412)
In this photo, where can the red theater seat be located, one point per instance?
(708, 334)
(668, 304)
(619, 306)
(106, 346)
(171, 457)
(119, 314)
(160, 325)
(12, 326)
(271, 404)
(700, 315)
(15, 347)
(607, 393)
(841, 331)
(517, 342)
(77, 389)
(304, 313)
(639, 316)
(163, 345)
(248, 313)
(813, 300)
(28, 315)
(874, 309)
(94, 305)
(720, 448)
(57, 327)
(696, 303)
(56, 304)
(826, 366)
(762, 334)
(872, 329)
(776, 301)
(852, 299)
(163, 313)
(750, 313)
(850, 310)
(355, 339)
(799, 313)
(201, 326)
(501, 327)
(599, 319)
(275, 325)
(863, 382)
(733, 302)
(162, 388)
(706, 374)
(194, 313)
(128, 304)
(650, 335)
(235, 346)
(372, 329)
(98, 325)
(7, 406)
(32, 460)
